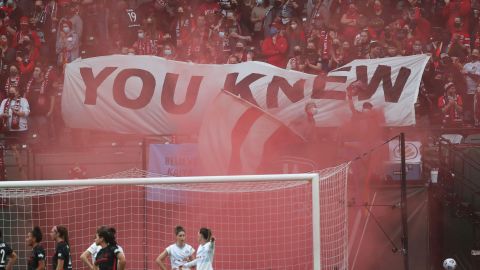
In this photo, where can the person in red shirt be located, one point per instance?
(451, 105)
(457, 9)
(349, 21)
(25, 33)
(275, 48)
(145, 45)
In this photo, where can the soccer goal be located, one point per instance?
(288, 221)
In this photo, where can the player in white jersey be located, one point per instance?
(206, 250)
(178, 252)
(92, 250)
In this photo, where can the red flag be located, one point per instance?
(237, 137)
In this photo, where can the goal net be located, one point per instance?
(293, 221)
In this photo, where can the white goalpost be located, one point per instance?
(284, 221)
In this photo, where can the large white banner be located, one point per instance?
(150, 95)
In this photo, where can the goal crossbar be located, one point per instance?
(160, 180)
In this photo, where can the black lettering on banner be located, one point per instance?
(383, 74)
(168, 93)
(294, 93)
(242, 88)
(319, 85)
(92, 83)
(146, 93)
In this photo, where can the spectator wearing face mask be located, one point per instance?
(169, 52)
(457, 9)
(25, 35)
(145, 45)
(68, 47)
(27, 55)
(295, 35)
(74, 18)
(14, 111)
(313, 59)
(275, 48)
(14, 79)
(460, 33)
(272, 14)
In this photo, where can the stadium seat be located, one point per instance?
(472, 138)
(453, 138)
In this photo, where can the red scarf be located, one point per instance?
(15, 118)
(11, 84)
(147, 47)
(44, 83)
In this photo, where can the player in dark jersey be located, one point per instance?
(61, 259)
(37, 258)
(8, 257)
(109, 257)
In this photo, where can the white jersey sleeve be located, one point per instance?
(204, 258)
(92, 249)
(119, 250)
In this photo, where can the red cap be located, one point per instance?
(68, 22)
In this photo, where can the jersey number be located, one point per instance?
(132, 15)
(2, 256)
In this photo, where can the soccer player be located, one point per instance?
(61, 259)
(205, 252)
(8, 257)
(92, 251)
(109, 257)
(37, 257)
(179, 252)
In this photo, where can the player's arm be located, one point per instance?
(190, 264)
(11, 260)
(41, 265)
(121, 261)
(191, 257)
(160, 258)
(60, 263)
(85, 257)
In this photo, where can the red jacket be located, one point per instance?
(276, 53)
(457, 8)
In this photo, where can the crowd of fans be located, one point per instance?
(38, 37)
